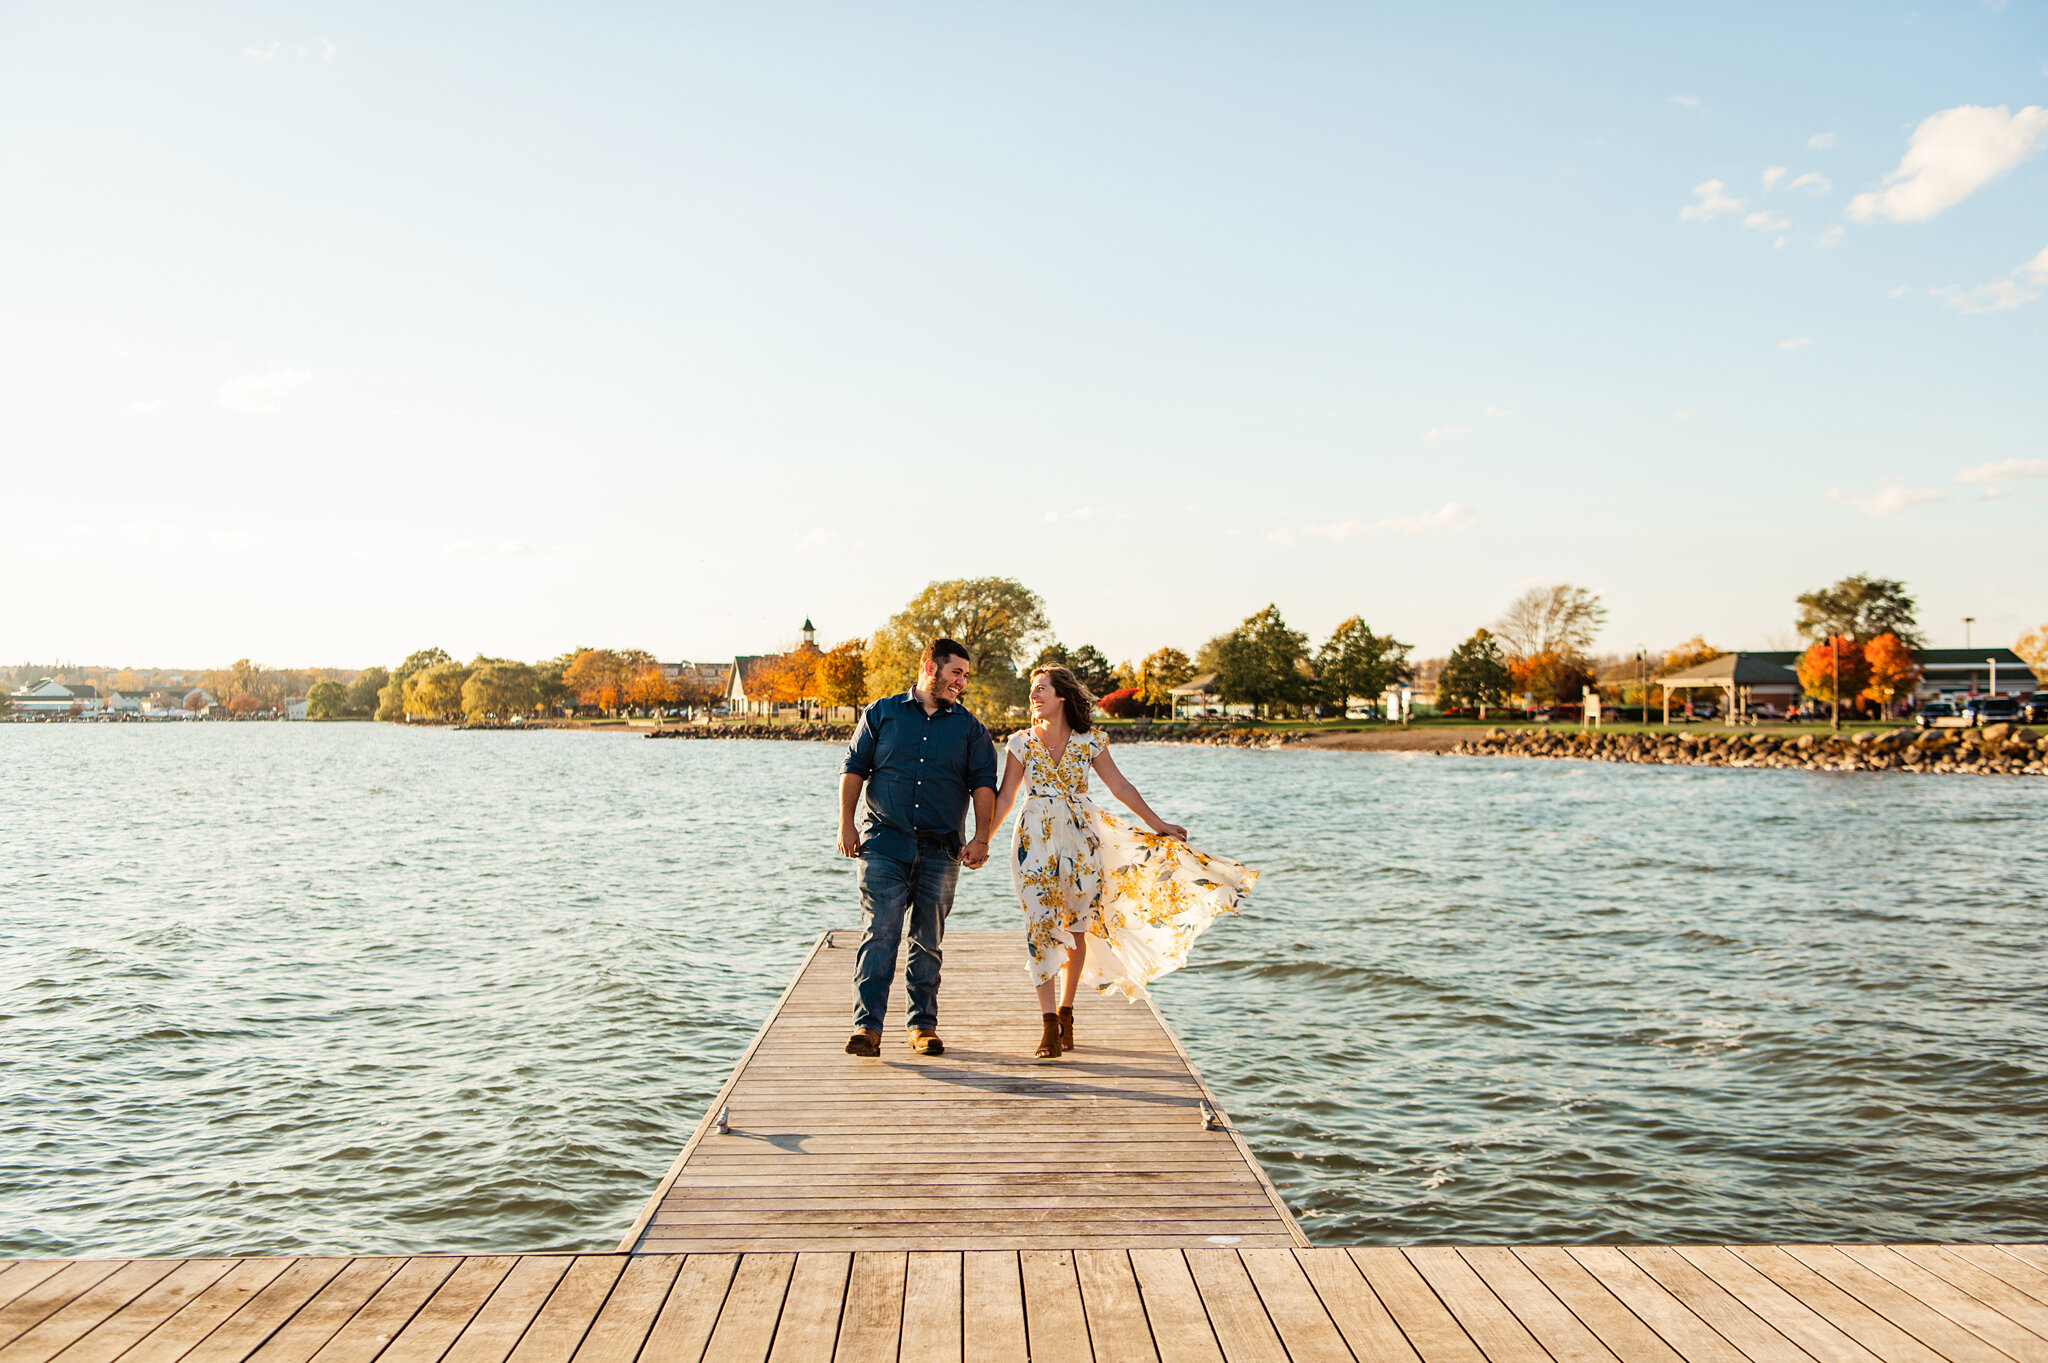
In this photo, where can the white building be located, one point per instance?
(47, 697)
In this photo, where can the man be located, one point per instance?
(923, 759)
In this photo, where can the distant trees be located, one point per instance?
(1562, 620)
(1122, 703)
(1162, 670)
(1354, 661)
(435, 692)
(842, 674)
(1834, 669)
(1691, 653)
(597, 677)
(2033, 646)
(785, 678)
(391, 697)
(361, 695)
(1264, 663)
(997, 619)
(1859, 608)
(1545, 633)
(1475, 676)
(326, 700)
(1893, 671)
(498, 689)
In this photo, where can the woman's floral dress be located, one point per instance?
(1141, 898)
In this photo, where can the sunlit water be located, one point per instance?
(273, 988)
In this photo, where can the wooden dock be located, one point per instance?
(1693, 1304)
(983, 1206)
(980, 1148)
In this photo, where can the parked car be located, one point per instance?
(1992, 709)
(2037, 708)
(1933, 711)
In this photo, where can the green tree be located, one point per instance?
(1860, 608)
(1162, 670)
(1264, 663)
(1093, 669)
(500, 690)
(997, 619)
(327, 700)
(361, 695)
(391, 696)
(1354, 661)
(435, 692)
(1475, 676)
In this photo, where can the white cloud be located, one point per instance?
(261, 54)
(1795, 343)
(1900, 292)
(1491, 410)
(1447, 433)
(2006, 470)
(1950, 156)
(261, 392)
(1051, 516)
(2023, 285)
(1686, 414)
(1763, 220)
(1775, 174)
(1813, 180)
(153, 405)
(1821, 141)
(1830, 239)
(1890, 500)
(328, 47)
(1447, 519)
(1686, 101)
(1713, 202)
(500, 549)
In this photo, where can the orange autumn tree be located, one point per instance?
(842, 674)
(1551, 678)
(648, 687)
(785, 678)
(1893, 671)
(1817, 665)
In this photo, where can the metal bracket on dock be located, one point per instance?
(829, 943)
(724, 1127)
(1210, 1121)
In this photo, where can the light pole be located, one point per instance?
(1968, 621)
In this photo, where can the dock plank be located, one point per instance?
(992, 1306)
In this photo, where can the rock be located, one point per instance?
(1996, 733)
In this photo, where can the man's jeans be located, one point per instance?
(893, 886)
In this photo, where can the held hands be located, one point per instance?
(976, 855)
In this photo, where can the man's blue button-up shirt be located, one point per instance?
(921, 770)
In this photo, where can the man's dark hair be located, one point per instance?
(938, 650)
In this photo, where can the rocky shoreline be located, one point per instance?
(1996, 749)
(1212, 735)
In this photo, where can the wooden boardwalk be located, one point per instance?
(1745, 1304)
(981, 1148)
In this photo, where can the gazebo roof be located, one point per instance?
(1743, 669)
(1196, 686)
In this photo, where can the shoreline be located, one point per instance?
(1997, 749)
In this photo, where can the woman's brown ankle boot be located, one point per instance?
(1049, 1044)
(1066, 1016)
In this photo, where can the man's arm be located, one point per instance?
(849, 800)
(984, 828)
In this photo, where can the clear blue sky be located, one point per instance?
(332, 331)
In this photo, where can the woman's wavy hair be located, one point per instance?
(1080, 705)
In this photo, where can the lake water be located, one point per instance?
(283, 988)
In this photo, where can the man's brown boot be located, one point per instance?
(864, 1041)
(1067, 1028)
(925, 1041)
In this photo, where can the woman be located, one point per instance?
(1082, 873)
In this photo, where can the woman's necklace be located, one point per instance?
(1057, 757)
